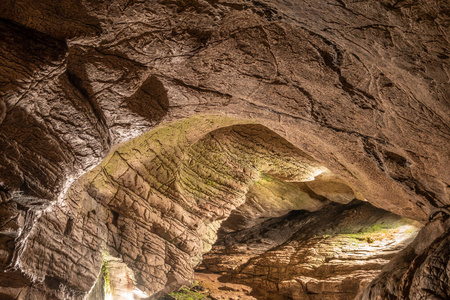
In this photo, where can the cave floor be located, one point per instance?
(217, 288)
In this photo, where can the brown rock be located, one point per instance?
(301, 255)
(356, 90)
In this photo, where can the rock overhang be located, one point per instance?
(367, 101)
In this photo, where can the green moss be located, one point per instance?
(362, 237)
(106, 279)
(185, 293)
(264, 177)
(378, 231)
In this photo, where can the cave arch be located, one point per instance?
(153, 207)
(141, 197)
(348, 80)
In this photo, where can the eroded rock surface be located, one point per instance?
(361, 88)
(420, 271)
(328, 254)
(156, 204)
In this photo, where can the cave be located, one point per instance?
(224, 149)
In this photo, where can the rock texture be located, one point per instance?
(420, 271)
(156, 203)
(357, 90)
(328, 254)
(208, 286)
(221, 291)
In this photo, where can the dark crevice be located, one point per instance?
(69, 227)
(115, 218)
(371, 150)
(35, 35)
(429, 195)
(397, 158)
(201, 89)
(334, 63)
(434, 212)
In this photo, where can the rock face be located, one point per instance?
(352, 94)
(419, 272)
(156, 203)
(328, 254)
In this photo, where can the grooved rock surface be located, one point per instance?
(358, 90)
(156, 203)
(420, 271)
(302, 256)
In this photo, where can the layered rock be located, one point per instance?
(156, 203)
(360, 87)
(420, 271)
(295, 67)
(328, 254)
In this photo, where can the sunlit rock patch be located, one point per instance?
(329, 254)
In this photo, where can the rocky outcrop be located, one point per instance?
(328, 254)
(359, 89)
(155, 204)
(420, 271)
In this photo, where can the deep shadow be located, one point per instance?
(56, 18)
(150, 101)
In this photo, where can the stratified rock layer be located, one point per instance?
(361, 88)
(420, 271)
(156, 203)
(328, 254)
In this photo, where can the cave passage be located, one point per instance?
(226, 197)
(211, 207)
(231, 149)
(329, 253)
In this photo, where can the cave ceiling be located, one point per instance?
(132, 129)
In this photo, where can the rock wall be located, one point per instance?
(155, 204)
(332, 253)
(420, 271)
(360, 87)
